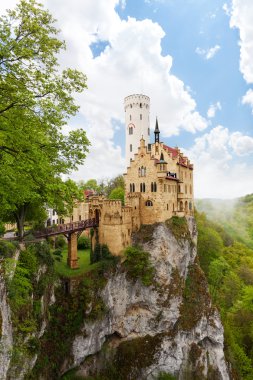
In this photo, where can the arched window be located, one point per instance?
(149, 203)
(141, 187)
(181, 206)
(142, 171)
(190, 206)
(167, 207)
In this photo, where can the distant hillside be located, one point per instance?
(235, 216)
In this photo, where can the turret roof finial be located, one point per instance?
(157, 132)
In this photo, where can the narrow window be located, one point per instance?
(80, 217)
(130, 117)
(185, 189)
(149, 131)
(140, 116)
(155, 187)
(131, 189)
(140, 105)
(131, 148)
(143, 187)
(167, 207)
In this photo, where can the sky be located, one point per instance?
(193, 58)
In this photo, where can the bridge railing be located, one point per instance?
(68, 227)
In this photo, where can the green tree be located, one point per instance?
(117, 193)
(36, 101)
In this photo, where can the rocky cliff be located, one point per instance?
(117, 326)
(170, 326)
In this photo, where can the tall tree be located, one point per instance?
(36, 101)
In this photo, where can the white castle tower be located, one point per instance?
(137, 123)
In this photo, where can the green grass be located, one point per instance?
(62, 268)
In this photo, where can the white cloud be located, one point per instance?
(241, 18)
(208, 53)
(248, 98)
(211, 112)
(227, 9)
(242, 145)
(216, 174)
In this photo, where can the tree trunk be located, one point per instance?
(20, 219)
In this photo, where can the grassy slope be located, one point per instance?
(84, 264)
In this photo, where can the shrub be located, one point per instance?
(2, 229)
(83, 242)
(138, 265)
(57, 252)
(7, 249)
(60, 241)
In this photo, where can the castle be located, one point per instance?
(158, 182)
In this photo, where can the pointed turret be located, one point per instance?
(157, 132)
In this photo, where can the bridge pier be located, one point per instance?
(72, 251)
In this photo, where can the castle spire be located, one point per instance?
(157, 132)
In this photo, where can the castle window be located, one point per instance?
(140, 116)
(130, 130)
(130, 117)
(155, 187)
(131, 189)
(149, 203)
(140, 105)
(131, 148)
(181, 206)
(142, 187)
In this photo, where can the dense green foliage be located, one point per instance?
(235, 216)
(228, 265)
(138, 265)
(105, 187)
(36, 101)
(83, 242)
(117, 193)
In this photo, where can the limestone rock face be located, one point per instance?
(6, 338)
(170, 326)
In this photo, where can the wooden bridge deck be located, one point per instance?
(67, 228)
